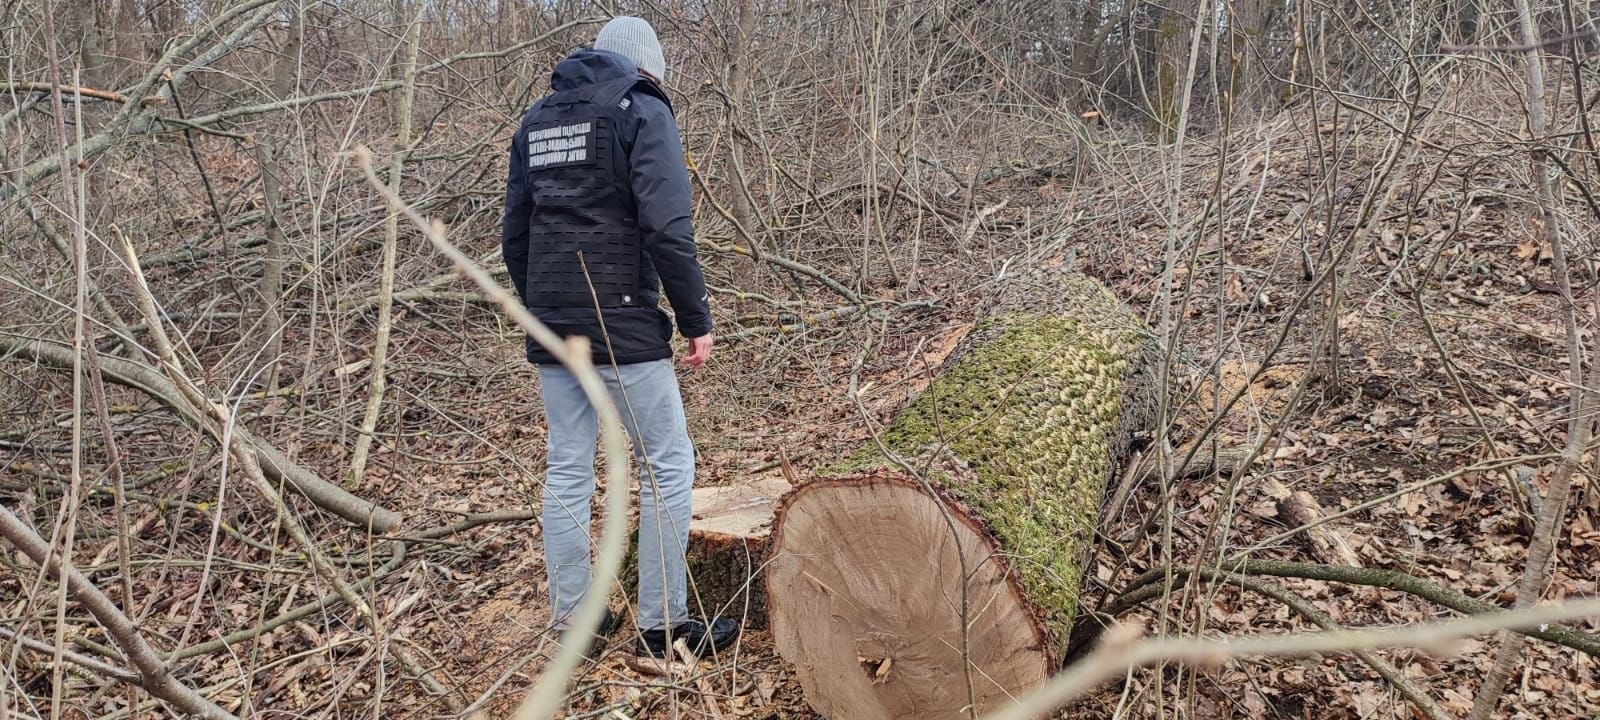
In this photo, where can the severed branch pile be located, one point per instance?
(277, 467)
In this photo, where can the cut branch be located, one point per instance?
(1393, 675)
(791, 266)
(66, 90)
(278, 467)
(153, 674)
(218, 420)
(1123, 650)
(119, 674)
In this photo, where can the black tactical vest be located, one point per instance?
(583, 231)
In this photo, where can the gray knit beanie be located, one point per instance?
(634, 39)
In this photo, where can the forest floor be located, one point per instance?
(1451, 356)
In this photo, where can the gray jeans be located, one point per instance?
(646, 395)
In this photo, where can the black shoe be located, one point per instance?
(702, 640)
(610, 623)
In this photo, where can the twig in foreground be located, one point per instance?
(1122, 649)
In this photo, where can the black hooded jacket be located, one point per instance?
(651, 196)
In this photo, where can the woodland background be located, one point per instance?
(1364, 244)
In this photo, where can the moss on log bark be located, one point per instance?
(1016, 439)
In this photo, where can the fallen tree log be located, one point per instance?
(945, 573)
(278, 468)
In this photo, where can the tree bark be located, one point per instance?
(407, 70)
(940, 578)
(269, 153)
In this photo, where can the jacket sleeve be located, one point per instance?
(660, 181)
(519, 208)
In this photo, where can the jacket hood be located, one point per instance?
(589, 66)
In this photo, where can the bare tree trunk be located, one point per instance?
(1546, 530)
(1088, 48)
(87, 31)
(268, 151)
(1243, 45)
(271, 262)
(1467, 21)
(1171, 51)
(738, 74)
(125, 29)
(391, 234)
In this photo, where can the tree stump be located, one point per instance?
(728, 547)
(874, 572)
(729, 535)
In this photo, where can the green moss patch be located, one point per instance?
(1028, 413)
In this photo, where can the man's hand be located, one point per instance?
(699, 351)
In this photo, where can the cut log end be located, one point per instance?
(866, 597)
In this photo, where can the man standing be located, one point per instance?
(596, 225)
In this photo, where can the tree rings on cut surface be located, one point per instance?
(865, 598)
